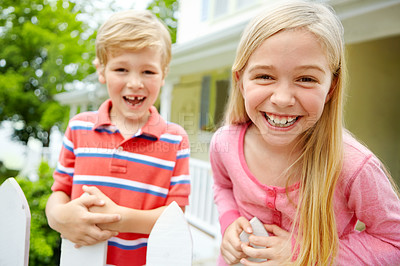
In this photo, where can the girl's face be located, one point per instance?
(285, 85)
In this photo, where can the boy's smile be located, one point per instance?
(133, 79)
(134, 101)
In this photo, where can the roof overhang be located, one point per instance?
(363, 20)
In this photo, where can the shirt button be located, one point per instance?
(271, 193)
(120, 148)
(270, 205)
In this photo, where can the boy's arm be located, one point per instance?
(132, 220)
(73, 220)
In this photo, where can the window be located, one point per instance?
(205, 10)
(244, 3)
(205, 102)
(222, 94)
(220, 8)
(214, 96)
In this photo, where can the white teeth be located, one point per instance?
(281, 122)
(134, 98)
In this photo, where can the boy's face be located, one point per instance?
(133, 79)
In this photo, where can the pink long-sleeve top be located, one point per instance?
(363, 193)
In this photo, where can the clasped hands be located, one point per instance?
(278, 245)
(89, 219)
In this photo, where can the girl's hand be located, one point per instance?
(78, 225)
(231, 249)
(278, 247)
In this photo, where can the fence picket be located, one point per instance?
(15, 222)
(94, 255)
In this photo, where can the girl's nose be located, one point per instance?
(283, 96)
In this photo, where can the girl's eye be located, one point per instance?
(263, 76)
(307, 79)
(121, 70)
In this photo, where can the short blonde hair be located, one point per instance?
(133, 30)
(322, 145)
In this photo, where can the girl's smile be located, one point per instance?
(280, 121)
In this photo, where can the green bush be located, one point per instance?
(6, 172)
(44, 242)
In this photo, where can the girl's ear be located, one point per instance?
(238, 81)
(237, 76)
(332, 89)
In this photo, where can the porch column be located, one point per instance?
(73, 110)
(166, 99)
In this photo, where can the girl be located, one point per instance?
(284, 156)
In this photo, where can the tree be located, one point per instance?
(44, 46)
(166, 10)
(47, 44)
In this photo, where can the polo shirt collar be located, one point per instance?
(154, 127)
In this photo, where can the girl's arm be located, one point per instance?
(231, 222)
(375, 203)
(223, 193)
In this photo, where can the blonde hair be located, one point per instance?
(133, 30)
(322, 151)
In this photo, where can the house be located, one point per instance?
(198, 84)
(208, 33)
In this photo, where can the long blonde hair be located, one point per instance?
(322, 153)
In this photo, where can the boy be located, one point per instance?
(127, 159)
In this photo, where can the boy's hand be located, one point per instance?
(278, 247)
(109, 207)
(231, 249)
(78, 225)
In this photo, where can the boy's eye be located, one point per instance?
(149, 72)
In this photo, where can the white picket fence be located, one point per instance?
(170, 238)
(202, 212)
(15, 221)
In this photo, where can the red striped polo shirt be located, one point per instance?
(147, 171)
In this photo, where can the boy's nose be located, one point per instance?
(283, 96)
(134, 82)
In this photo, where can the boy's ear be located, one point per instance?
(99, 70)
(102, 77)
